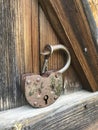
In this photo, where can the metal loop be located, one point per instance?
(51, 48)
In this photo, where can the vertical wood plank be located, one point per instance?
(19, 44)
(3, 60)
(35, 36)
(47, 36)
(94, 7)
(91, 21)
(22, 35)
(27, 34)
(15, 50)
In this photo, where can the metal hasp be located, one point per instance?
(43, 90)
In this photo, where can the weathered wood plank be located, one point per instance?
(47, 36)
(72, 112)
(15, 50)
(27, 12)
(3, 51)
(91, 21)
(7, 52)
(64, 15)
(35, 37)
(84, 38)
(94, 7)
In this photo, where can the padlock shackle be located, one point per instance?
(53, 48)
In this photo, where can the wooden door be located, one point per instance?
(25, 30)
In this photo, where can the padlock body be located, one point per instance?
(42, 91)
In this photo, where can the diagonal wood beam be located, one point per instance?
(70, 24)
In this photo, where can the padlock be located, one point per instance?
(43, 90)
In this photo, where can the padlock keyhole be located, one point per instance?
(46, 99)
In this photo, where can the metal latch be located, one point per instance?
(43, 90)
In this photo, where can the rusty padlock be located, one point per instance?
(43, 90)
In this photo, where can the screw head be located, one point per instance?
(38, 79)
(35, 103)
(56, 75)
(55, 97)
(28, 81)
(38, 95)
(52, 92)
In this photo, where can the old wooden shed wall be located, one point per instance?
(24, 31)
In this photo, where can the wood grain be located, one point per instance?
(15, 50)
(25, 31)
(91, 21)
(58, 59)
(27, 12)
(35, 37)
(75, 111)
(94, 7)
(3, 56)
(85, 39)
(47, 36)
(78, 36)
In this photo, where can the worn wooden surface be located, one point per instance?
(93, 126)
(9, 54)
(15, 50)
(91, 20)
(74, 26)
(94, 7)
(35, 37)
(75, 111)
(58, 59)
(25, 31)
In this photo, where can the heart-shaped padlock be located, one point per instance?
(43, 90)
